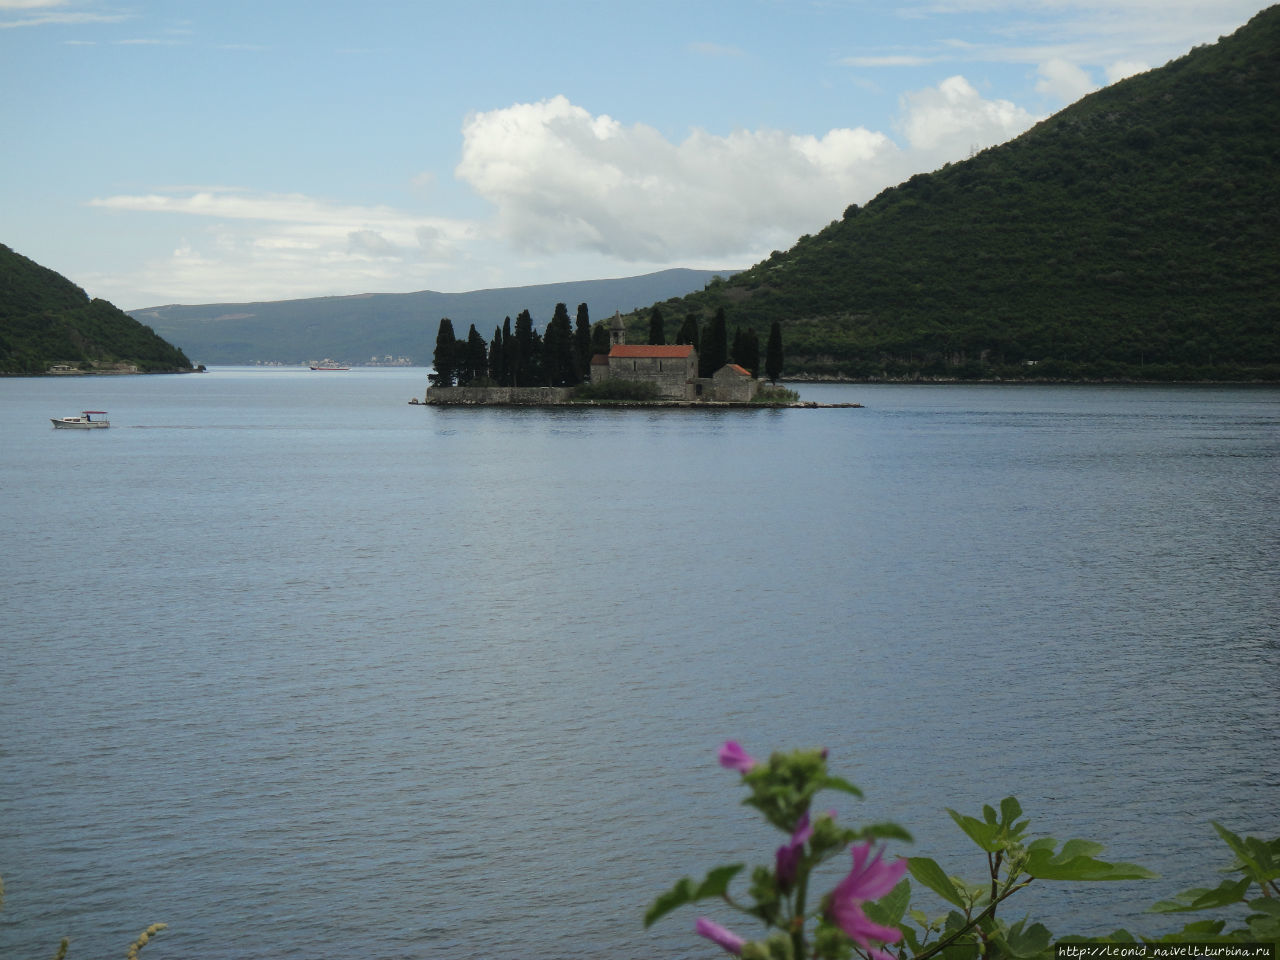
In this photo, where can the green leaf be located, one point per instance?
(1239, 848)
(1080, 848)
(1202, 898)
(1075, 863)
(1032, 941)
(935, 878)
(830, 782)
(891, 908)
(714, 884)
(885, 831)
(1267, 905)
(983, 834)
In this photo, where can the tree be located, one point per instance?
(657, 333)
(475, 362)
(444, 360)
(715, 346)
(582, 342)
(559, 366)
(773, 353)
(746, 350)
(510, 353)
(524, 362)
(497, 357)
(688, 332)
(600, 342)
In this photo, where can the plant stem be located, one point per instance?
(990, 911)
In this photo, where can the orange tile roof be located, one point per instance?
(639, 351)
(737, 368)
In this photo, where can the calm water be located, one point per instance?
(307, 672)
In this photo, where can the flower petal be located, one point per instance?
(720, 935)
(733, 757)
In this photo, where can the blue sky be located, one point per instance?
(175, 151)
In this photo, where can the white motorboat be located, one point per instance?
(83, 422)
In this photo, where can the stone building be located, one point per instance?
(734, 383)
(674, 370)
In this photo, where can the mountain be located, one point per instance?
(356, 328)
(1135, 234)
(45, 319)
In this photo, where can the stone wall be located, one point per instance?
(498, 395)
(733, 387)
(670, 375)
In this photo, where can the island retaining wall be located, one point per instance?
(498, 395)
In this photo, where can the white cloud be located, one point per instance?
(1125, 68)
(41, 13)
(1064, 81)
(944, 123)
(559, 177)
(566, 186)
(247, 245)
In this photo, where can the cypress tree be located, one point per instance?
(582, 342)
(559, 364)
(510, 351)
(750, 357)
(600, 339)
(444, 360)
(476, 364)
(657, 331)
(773, 353)
(715, 346)
(688, 332)
(522, 373)
(496, 357)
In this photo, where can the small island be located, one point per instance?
(596, 366)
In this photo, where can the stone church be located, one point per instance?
(672, 369)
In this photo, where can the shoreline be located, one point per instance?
(642, 404)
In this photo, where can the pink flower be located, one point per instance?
(866, 881)
(733, 757)
(718, 934)
(788, 856)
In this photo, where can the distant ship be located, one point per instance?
(328, 365)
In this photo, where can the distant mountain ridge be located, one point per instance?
(46, 320)
(1133, 235)
(360, 327)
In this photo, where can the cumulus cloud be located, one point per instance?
(1125, 68)
(565, 186)
(943, 123)
(1064, 81)
(559, 177)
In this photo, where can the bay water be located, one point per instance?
(306, 671)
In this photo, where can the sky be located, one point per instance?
(179, 151)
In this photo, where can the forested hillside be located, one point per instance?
(45, 319)
(1135, 234)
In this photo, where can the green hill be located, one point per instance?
(45, 319)
(355, 328)
(1135, 234)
